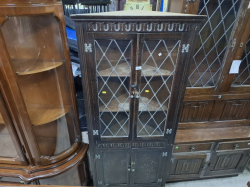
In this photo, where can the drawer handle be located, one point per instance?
(192, 148)
(236, 146)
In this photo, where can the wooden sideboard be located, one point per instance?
(212, 139)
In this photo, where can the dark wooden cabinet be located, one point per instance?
(216, 102)
(134, 67)
(39, 130)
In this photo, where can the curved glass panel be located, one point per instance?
(7, 148)
(36, 52)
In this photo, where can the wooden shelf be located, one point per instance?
(42, 115)
(1, 119)
(212, 134)
(115, 128)
(114, 105)
(123, 69)
(26, 67)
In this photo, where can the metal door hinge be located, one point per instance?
(99, 182)
(88, 47)
(95, 132)
(185, 48)
(165, 154)
(159, 180)
(169, 131)
(97, 156)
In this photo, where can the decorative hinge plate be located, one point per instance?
(185, 48)
(159, 180)
(99, 182)
(169, 131)
(165, 154)
(97, 156)
(88, 47)
(95, 132)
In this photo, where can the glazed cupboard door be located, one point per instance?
(10, 147)
(114, 56)
(161, 55)
(35, 50)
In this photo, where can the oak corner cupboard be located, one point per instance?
(39, 130)
(134, 70)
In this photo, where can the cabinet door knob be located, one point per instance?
(192, 148)
(236, 146)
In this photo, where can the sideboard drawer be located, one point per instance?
(192, 147)
(233, 145)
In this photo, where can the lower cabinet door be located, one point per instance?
(188, 166)
(147, 167)
(113, 167)
(227, 163)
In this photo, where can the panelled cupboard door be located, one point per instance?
(188, 166)
(147, 167)
(126, 167)
(224, 163)
(135, 75)
(10, 147)
(113, 167)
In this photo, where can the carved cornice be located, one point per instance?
(138, 26)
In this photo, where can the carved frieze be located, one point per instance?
(138, 27)
(131, 145)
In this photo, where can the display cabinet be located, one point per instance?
(216, 102)
(39, 127)
(134, 68)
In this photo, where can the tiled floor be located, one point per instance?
(239, 181)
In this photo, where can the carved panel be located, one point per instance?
(131, 145)
(188, 166)
(227, 162)
(138, 27)
(196, 111)
(236, 109)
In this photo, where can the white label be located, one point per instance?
(248, 144)
(235, 67)
(248, 6)
(138, 68)
(159, 54)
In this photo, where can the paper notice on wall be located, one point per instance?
(235, 67)
(248, 6)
